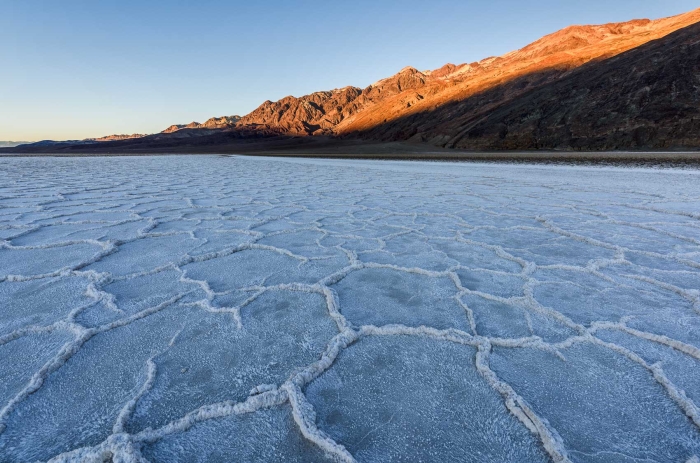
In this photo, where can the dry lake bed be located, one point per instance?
(223, 308)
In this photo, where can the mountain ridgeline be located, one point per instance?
(618, 86)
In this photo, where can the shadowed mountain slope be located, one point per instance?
(646, 98)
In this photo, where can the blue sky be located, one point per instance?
(75, 69)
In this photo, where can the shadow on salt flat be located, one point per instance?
(40, 302)
(590, 299)
(384, 297)
(211, 360)
(474, 257)
(269, 436)
(496, 284)
(681, 369)
(255, 267)
(496, 319)
(140, 293)
(302, 243)
(218, 240)
(398, 398)
(146, 254)
(40, 261)
(410, 251)
(24, 356)
(78, 404)
(605, 407)
(49, 234)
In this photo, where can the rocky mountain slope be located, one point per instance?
(645, 98)
(456, 92)
(324, 113)
(223, 122)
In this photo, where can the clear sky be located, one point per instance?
(84, 68)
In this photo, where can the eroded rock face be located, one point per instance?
(318, 113)
(322, 113)
(173, 128)
(223, 122)
(120, 137)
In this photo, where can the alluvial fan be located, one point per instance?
(215, 309)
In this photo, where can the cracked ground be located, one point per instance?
(213, 308)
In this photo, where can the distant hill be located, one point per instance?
(214, 123)
(10, 144)
(618, 86)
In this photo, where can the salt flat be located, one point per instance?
(211, 309)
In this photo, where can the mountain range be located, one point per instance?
(618, 86)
